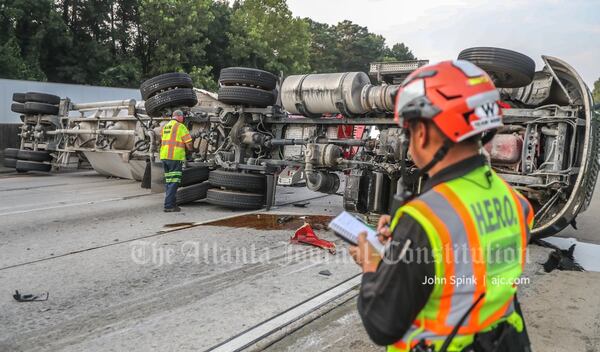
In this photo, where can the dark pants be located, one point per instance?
(172, 180)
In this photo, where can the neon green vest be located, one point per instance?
(174, 136)
(478, 231)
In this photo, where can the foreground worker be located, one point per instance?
(175, 140)
(447, 279)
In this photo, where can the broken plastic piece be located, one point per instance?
(30, 297)
(306, 235)
(325, 272)
(562, 260)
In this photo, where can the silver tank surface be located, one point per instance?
(324, 93)
(349, 93)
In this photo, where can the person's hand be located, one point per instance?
(383, 229)
(365, 255)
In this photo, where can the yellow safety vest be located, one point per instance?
(476, 234)
(174, 137)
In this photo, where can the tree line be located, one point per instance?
(120, 43)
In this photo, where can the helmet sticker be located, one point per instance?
(468, 68)
(489, 116)
(410, 92)
(482, 98)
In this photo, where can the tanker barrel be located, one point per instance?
(347, 93)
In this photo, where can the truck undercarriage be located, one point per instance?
(332, 131)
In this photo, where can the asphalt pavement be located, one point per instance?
(123, 275)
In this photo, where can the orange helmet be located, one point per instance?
(457, 96)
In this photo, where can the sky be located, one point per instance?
(439, 30)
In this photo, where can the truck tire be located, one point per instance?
(239, 95)
(192, 193)
(34, 155)
(40, 108)
(25, 165)
(235, 199)
(509, 69)
(42, 98)
(194, 175)
(11, 153)
(238, 180)
(170, 99)
(19, 108)
(10, 163)
(19, 97)
(163, 82)
(249, 77)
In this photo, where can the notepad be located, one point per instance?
(347, 227)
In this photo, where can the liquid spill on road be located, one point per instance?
(273, 221)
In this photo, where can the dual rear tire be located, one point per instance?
(169, 90)
(27, 160)
(237, 190)
(33, 103)
(247, 86)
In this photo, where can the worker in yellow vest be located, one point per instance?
(175, 140)
(455, 253)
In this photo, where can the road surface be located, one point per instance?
(123, 275)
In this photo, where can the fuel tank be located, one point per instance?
(348, 93)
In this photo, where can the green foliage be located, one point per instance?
(173, 36)
(349, 47)
(123, 42)
(203, 79)
(596, 92)
(264, 34)
(324, 52)
(398, 52)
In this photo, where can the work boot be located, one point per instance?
(172, 210)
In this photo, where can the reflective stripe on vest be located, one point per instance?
(173, 146)
(478, 232)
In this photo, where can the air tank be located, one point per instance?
(348, 93)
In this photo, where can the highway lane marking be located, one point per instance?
(73, 204)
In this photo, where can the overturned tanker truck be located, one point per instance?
(326, 128)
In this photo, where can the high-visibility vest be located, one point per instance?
(174, 137)
(478, 229)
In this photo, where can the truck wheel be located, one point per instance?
(170, 99)
(248, 76)
(238, 180)
(10, 162)
(11, 153)
(192, 193)
(194, 175)
(239, 95)
(235, 199)
(19, 97)
(509, 69)
(40, 108)
(24, 166)
(19, 108)
(163, 82)
(42, 98)
(34, 155)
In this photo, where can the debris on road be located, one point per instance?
(306, 235)
(30, 297)
(562, 259)
(325, 273)
(301, 204)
